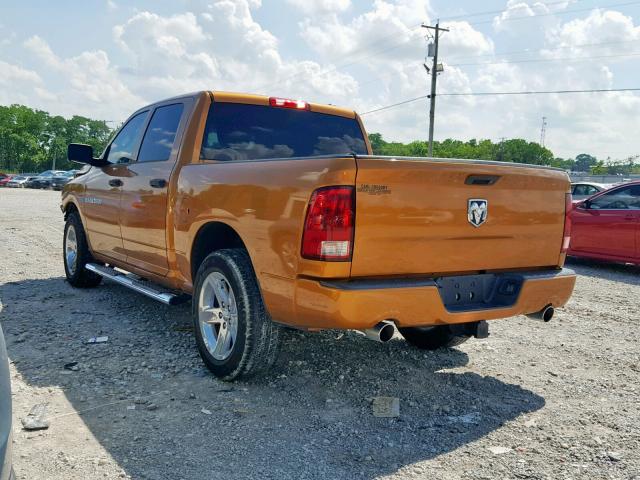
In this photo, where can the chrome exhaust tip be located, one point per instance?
(382, 332)
(546, 314)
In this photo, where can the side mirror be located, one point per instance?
(586, 204)
(80, 153)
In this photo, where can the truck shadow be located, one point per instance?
(615, 272)
(310, 418)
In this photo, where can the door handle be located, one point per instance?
(116, 182)
(158, 183)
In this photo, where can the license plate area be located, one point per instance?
(479, 292)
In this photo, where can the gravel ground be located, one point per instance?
(541, 401)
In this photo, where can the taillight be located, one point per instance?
(329, 225)
(287, 103)
(566, 236)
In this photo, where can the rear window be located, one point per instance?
(237, 131)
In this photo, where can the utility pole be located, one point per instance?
(543, 131)
(434, 76)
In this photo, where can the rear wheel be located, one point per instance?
(234, 333)
(433, 338)
(76, 254)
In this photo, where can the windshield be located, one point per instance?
(237, 131)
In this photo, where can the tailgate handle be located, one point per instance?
(481, 179)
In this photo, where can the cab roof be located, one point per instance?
(253, 99)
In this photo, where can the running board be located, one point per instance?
(140, 286)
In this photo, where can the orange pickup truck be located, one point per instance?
(268, 212)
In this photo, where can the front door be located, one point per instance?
(101, 199)
(608, 224)
(143, 202)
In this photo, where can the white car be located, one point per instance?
(582, 190)
(18, 181)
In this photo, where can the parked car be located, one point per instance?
(19, 181)
(59, 181)
(43, 180)
(269, 212)
(607, 225)
(6, 472)
(50, 173)
(38, 182)
(6, 179)
(582, 190)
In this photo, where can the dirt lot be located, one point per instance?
(535, 400)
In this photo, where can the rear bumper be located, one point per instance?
(361, 304)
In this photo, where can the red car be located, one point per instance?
(4, 179)
(606, 226)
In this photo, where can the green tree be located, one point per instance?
(514, 150)
(32, 140)
(584, 162)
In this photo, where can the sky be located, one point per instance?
(106, 58)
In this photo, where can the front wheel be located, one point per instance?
(234, 333)
(433, 338)
(76, 254)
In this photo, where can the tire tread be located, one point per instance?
(262, 336)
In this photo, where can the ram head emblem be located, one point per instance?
(477, 211)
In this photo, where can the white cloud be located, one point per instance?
(90, 84)
(18, 85)
(315, 7)
(13, 73)
(220, 46)
(162, 46)
(519, 9)
(395, 22)
(614, 31)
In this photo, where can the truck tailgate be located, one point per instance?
(412, 216)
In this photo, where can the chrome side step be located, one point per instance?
(134, 283)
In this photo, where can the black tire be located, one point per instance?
(255, 347)
(432, 338)
(79, 276)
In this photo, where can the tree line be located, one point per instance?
(33, 141)
(512, 150)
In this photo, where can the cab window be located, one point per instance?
(621, 199)
(122, 149)
(237, 131)
(161, 134)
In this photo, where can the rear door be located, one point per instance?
(608, 224)
(143, 204)
(101, 199)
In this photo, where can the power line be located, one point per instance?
(494, 12)
(542, 47)
(563, 12)
(544, 60)
(534, 60)
(477, 94)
